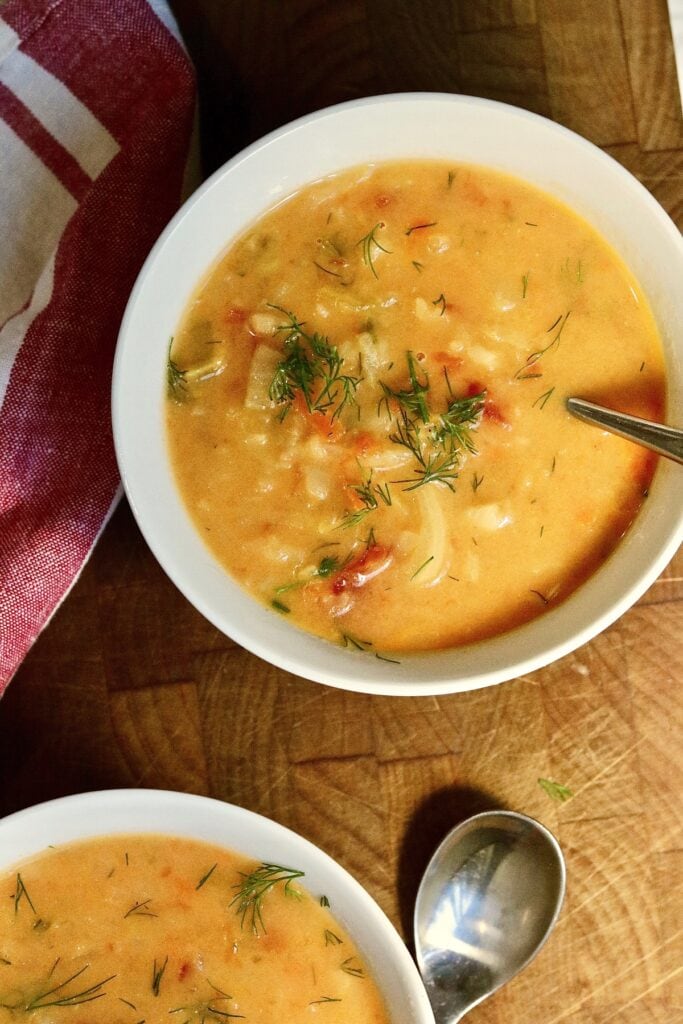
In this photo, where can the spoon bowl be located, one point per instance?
(487, 902)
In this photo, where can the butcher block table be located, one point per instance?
(129, 686)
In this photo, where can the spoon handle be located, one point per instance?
(664, 440)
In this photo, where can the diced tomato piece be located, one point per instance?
(184, 970)
(363, 443)
(374, 560)
(491, 411)
(319, 422)
(451, 362)
(235, 315)
(382, 200)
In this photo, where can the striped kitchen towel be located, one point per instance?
(97, 103)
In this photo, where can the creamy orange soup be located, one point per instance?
(127, 929)
(366, 412)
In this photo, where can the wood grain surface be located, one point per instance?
(129, 686)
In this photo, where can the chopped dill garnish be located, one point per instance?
(312, 368)
(541, 531)
(204, 879)
(140, 910)
(368, 241)
(555, 790)
(205, 1010)
(642, 367)
(383, 657)
(451, 178)
(368, 493)
(331, 939)
(333, 273)
(555, 341)
(328, 565)
(418, 227)
(553, 464)
(525, 283)
(418, 266)
(350, 968)
(255, 885)
(157, 975)
(86, 995)
(477, 481)
(441, 301)
(423, 566)
(175, 377)
(127, 1003)
(325, 999)
(542, 399)
(412, 399)
(324, 902)
(530, 224)
(540, 596)
(22, 893)
(437, 447)
(360, 645)
(280, 607)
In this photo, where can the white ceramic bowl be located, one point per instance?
(389, 127)
(180, 814)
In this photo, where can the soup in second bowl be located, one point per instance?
(155, 929)
(366, 411)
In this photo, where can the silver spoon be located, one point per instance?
(660, 438)
(486, 904)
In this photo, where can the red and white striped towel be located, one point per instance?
(97, 105)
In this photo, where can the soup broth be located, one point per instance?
(126, 929)
(366, 412)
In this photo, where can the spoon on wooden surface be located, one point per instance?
(659, 438)
(487, 902)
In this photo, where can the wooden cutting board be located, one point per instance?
(129, 686)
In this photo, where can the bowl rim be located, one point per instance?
(76, 817)
(338, 672)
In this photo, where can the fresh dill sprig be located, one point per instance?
(255, 885)
(325, 999)
(204, 879)
(328, 565)
(412, 400)
(331, 939)
(280, 607)
(542, 399)
(349, 967)
(368, 242)
(21, 893)
(525, 283)
(140, 909)
(460, 416)
(370, 495)
(477, 481)
(419, 227)
(555, 790)
(311, 367)
(423, 566)
(157, 976)
(205, 1010)
(86, 995)
(351, 641)
(436, 443)
(175, 377)
(324, 902)
(441, 301)
(560, 323)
